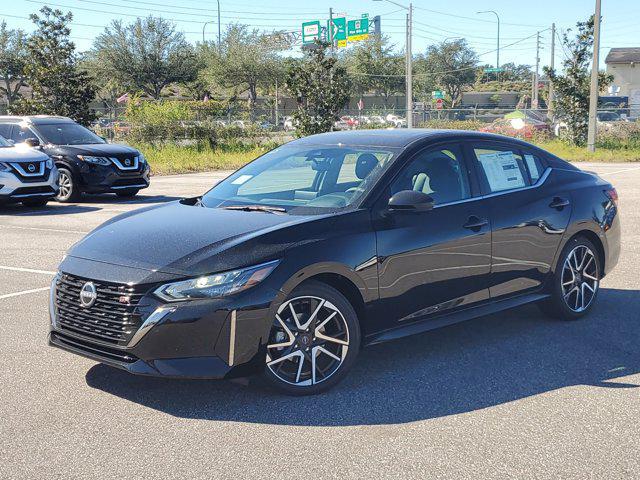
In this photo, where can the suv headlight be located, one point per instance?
(216, 285)
(95, 160)
(49, 164)
(141, 159)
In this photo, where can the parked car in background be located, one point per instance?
(517, 127)
(86, 162)
(396, 121)
(27, 175)
(332, 242)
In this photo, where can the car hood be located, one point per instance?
(97, 149)
(21, 153)
(182, 240)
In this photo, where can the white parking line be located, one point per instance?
(27, 270)
(619, 171)
(23, 292)
(44, 229)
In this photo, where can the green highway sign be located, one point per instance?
(310, 32)
(358, 29)
(437, 94)
(493, 70)
(339, 28)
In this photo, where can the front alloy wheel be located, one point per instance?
(313, 341)
(68, 189)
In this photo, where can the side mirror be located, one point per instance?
(32, 142)
(410, 201)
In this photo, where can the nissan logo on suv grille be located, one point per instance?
(88, 295)
(31, 168)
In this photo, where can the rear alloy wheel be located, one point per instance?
(68, 188)
(576, 281)
(314, 340)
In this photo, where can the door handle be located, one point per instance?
(475, 223)
(559, 203)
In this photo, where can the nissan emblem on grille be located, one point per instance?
(127, 162)
(88, 295)
(31, 168)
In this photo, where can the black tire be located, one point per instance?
(342, 326)
(128, 193)
(68, 187)
(567, 306)
(35, 202)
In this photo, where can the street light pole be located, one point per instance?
(498, 43)
(408, 60)
(593, 96)
(207, 23)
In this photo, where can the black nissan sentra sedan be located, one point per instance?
(330, 243)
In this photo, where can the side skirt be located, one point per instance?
(449, 319)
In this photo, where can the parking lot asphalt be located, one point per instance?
(515, 395)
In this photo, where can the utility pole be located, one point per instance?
(536, 76)
(218, 25)
(409, 68)
(277, 119)
(593, 97)
(498, 43)
(330, 32)
(552, 66)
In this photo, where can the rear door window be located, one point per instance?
(501, 169)
(535, 167)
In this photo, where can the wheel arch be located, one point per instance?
(593, 238)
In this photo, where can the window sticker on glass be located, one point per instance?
(502, 170)
(241, 179)
(532, 166)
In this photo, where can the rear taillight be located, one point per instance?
(612, 193)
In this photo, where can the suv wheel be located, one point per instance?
(68, 188)
(576, 281)
(128, 193)
(314, 340)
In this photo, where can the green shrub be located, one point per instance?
(452, 124)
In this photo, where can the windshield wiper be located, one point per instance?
(256, 208)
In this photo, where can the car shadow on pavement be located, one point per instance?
(478, 364)
(51, 209)
(115, 200)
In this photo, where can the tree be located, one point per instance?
(452, 64)
(246, 61)
(13, 59)
(377, 68)
(59, 86)
(146, 55)
(321, 87)
(572, 88)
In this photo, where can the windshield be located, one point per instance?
(67, 134)
(4, 142)
(303, 179)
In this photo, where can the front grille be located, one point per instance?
(113, 319)
(33, 190)
(125, 182)
(93, 350)
(40, 172)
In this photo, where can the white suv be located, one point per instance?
(27, 175)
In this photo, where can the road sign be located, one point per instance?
(493, 70)
(310, 32)
(437, 94)
(358, 29)
(339, 29)
(439, 104)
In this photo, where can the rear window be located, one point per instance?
(534, 165)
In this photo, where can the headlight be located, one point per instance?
(141, 159)
(95, 160)
(49, 164)
(216, 285)
(3, 167)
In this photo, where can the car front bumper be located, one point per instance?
(214, 338)
(109, 179)
(13, 189)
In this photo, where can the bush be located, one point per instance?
(619, 135)
(452, 124)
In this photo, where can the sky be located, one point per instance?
(434, 21)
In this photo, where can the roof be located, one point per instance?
(623, 55)
(393, 138)
(35, 119)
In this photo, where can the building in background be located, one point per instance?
(624, 65)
